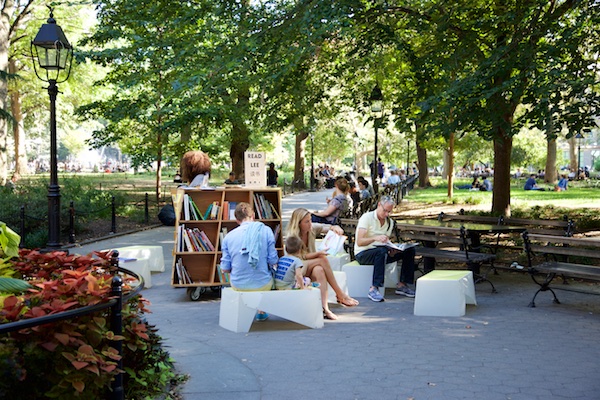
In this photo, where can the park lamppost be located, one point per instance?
(579, 138)
(376, 110)
(407, 157)
(53, 53)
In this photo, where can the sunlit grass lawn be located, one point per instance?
(577, 196)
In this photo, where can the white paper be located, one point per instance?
(332, 243)
(399, 246)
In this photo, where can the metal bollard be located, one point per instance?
(116, 324)
(146, 215)
(113, 226)
(71, 222)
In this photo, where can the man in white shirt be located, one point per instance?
(375, 228)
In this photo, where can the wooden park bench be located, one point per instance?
(443, 243)
(563, 256)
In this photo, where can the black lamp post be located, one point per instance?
(407, 156)
(54, 54)
(312, 162)
(376, 109)
(579, 138)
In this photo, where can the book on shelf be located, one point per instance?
(225, 209)
(275, 213)
(231, 214)
(183, 277)
(214, 212)
(257, 208)
(186, 207)
(196, 241)
(206, 241)
(208, 211)
(276, 231)
(223, 276)
(263, 207)
(222, 235)
(195, 210)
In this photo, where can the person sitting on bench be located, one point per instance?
(376, 227)
(249, 254)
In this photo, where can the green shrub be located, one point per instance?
(75, 359)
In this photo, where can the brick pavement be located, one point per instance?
(500, 349)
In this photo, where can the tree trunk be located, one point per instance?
(423, 167)
(450, 170)
(240, 135)
(501, 192)
(159, 152)
(550, 175)
(573, 155)
(5, 32)
(300, 154)
(18, 131)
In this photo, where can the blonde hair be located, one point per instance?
(293, 229)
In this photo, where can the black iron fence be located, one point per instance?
(74, 213)
(116, 320)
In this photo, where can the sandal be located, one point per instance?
(347, 301)
(327, 314)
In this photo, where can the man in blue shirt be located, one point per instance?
(249, 252)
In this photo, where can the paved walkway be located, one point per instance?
(501, 349)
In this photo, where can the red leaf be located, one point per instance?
(62, 338)
(79, 364)
(79, 386)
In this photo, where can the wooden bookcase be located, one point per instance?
(202, 265)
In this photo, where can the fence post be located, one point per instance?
(113, 227)
(116, 325)
(22, 226)
(71, 222)
(146, 209)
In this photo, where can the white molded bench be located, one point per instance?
(360, 277)
(238, 309)
(444, 293)
(154, 254)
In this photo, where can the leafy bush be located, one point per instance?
(90, 203)
(75, 359)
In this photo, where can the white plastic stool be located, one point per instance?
(340, 277)
(154, 254)
(444, 293)
(360, 277)
(238, 309)
(338, 261)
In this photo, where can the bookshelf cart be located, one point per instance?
(205, 222)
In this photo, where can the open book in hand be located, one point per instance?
(332, 243)
(397, 246)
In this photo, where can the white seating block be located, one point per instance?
(360, 277)
(238, 309)
(444, 293)
(338, 260)
(154, 254)
(340, 278)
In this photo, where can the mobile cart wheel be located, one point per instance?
(196, 292)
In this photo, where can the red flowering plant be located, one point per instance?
(73, 358)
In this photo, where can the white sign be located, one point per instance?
(255, 174)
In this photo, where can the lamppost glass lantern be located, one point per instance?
(376, 100)
(53, 54)
(52, 51)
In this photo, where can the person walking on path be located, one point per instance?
(376, 227)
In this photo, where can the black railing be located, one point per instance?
(73, 213)
(116, 321)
